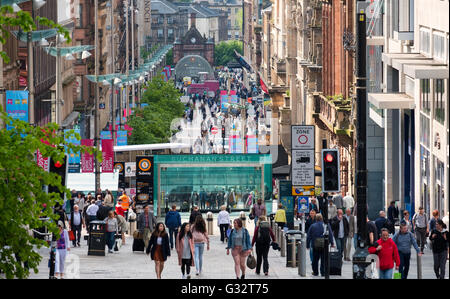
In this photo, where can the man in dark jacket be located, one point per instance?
(339, 225)
(380, 222)
(102, 212)
(195, 212)
(173, 222)
(316, 231)
(393, 212)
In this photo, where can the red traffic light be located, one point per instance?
(329, 158)
(58, 164)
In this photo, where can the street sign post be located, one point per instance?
(303, 160)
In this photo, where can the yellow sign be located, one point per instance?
(303, 191)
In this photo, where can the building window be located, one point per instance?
(425, 179)
(439, 100)
(160, 20)
(160, 33)
(425, 130)
(170, 33)
(425, 95)
(424, 41)
(439, 193)
(438, 46)
(229, 24)
(169, 20)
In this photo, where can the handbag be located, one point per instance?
(71, 236)
(251, 261)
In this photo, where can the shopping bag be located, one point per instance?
(251, 261)
(71, 236)
(397, 275)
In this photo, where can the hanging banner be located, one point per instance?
(105, 135)
(87, 160)
(108, 156)
(144, 180)
(235, 144)
(17, 105)
(122, 138)
(74, 159)
(233, 97)
(252, 144)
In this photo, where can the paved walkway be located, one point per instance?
(216, 264)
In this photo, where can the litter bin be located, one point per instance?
(210, 219)
(243, 218)
(133, 224)
(292, 238)
(97, 238)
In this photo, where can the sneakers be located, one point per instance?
(189, 276)
(183, 276)
(266, 274)
(110, 251)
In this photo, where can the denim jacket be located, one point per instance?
(247, 245)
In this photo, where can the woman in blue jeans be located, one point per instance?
(200, 238)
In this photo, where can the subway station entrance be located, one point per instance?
(210, 181)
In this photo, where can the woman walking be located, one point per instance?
(239, 243)
(62, 246)
(280, 216)
(263, 237)
(111, 228)
(439, 238)
(223, 221)
(184, 245)
(159, 248)
(200, 238)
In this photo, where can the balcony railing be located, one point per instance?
(335, 113)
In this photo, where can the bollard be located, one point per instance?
(301, 251)
(282, 241)
(210, 218)
(419, 266)
(243, 218)
(293, 252)
(275, 229)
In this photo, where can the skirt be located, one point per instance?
(158, 254)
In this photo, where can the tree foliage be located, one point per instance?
(151, 124)
(23, 199)
(224, 52)
(24, 21)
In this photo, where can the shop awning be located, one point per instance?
(398, 100)
(70, 119)
(388, 57)
(426, 71)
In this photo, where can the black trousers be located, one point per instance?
(186, 266)
(77, 233)
(318, 255)
(262, 252)
(404, 264)
(223, 231)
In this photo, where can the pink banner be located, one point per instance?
(108, 155)
(41, 160)
(87, 160)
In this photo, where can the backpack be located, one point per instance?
(263, 233)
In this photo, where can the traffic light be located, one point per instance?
(223, 132)
(330, 170)
(59, 168)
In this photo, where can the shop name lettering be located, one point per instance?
(193, 289)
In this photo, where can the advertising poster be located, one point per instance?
(17, 105)
(144, 180)
(108, 156)
(87, 160)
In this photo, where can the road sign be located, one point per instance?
(303, 168)
(302, 137)
(303, 204)
(214, 130)
(303, 191)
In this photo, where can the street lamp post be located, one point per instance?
(96, 108)
(30, 68)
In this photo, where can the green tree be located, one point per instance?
(224, 52)
(169, 57)
(24, 21)
(151, 124)
(23, 199)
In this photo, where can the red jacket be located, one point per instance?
(387, 255)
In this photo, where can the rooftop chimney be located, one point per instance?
(193, 19)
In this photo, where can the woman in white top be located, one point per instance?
(62, 246)
(223, 222)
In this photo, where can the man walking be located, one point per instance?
(351, 232)
(348, 202)
(173, 222)
(315, 237)
(340, 227)
(404, 240)
(337, 200)
(259, 209)
(420, 224)
(76, 221)
(146, 224)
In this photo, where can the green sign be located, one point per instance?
(287, 200)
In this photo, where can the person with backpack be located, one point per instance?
(315, 236)
(263, 237)
(404, 240)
